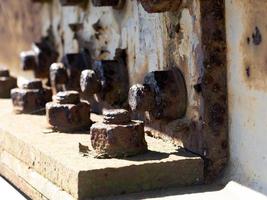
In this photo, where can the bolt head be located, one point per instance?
(67, 97)
(116, 116)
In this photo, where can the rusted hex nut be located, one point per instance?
(155, 6)
(115, 3)
(118, 136)
(89, 82)
(31, 97)
(67, 113)
(7, 83)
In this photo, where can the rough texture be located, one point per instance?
(31, 98)
(75, 63)
(118, 136)
(163, 94)
(67, 113)
(90, 83)
(42, 55)
(58, 77)
(116, 116)
(56, 157)
(141, 98)
(117, 140)
(191, 39)
(67, 97)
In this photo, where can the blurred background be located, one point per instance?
(19, 27)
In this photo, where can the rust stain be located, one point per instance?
(254, 44)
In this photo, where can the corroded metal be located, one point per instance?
(58, 77)
(109, 80)
(155, 6)
(118, 136)
(90, 83)
(42, 55)
(7, 83)
(31, 97)
(163, 94)
(75, 63)
(67, 113)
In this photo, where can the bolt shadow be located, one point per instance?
(156, 155)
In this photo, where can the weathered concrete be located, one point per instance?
(247, 48)
(57, 158)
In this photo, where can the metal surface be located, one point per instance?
(67, 113)
(163, 94)
(30, 98)
(40, 58)
(118, 136)
(58, 77)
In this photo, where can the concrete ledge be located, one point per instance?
(26, 141)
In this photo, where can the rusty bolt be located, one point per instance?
(7, 83)
(141, 98)
(155, 6)
(75, 63)
(42, 55)
(89, 82)
(117, 116)
(67, 97)
(67, 113)
(163, 94)
(31, 97)
(118, 136)
(58, 77)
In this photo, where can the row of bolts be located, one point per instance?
(116, 136)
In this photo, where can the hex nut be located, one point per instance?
(116, 116)
(7, 83)
(118, 140)
(30, 98)
(67, 113)
(141, 98)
